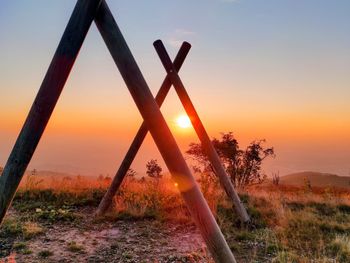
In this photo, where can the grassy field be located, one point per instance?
(52, 220)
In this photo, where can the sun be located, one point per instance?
(183, 121)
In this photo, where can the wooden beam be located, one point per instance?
(162, 136)
(139, 138)
(46, 99)
(200, 130)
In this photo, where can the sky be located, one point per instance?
(264, 69)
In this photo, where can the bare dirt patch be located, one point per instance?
(118, 241)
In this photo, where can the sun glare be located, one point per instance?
(183, 121)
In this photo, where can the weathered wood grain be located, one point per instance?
(200, 130)
(139, 138)
(46, 99)
(162, 136)
(50, 91)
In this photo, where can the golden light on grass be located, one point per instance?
(183, 121)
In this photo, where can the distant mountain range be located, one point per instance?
(316, 179)
(296, 179)
(56, 175)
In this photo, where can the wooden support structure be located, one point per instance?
(84, 12)
(197, 124)
(46, 99)
(162, 136)
(200, 130)
(139, 138)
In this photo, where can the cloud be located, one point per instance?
(174, 42)
(178, 36)
(184, 32)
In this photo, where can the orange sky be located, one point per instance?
(261, 69)
(92, 141)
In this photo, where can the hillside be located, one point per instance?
(54, 221)
(57, 180)
(316, 179)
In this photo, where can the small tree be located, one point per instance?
(100, 177)
(276, 178)
(107, 180)
(307, 185)
(32, 181)
(243, 166)
(131, 173)
(129, 176)
(153, 169)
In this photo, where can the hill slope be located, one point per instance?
(316, 179)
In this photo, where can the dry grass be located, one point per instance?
(289, 224)
(31, 229)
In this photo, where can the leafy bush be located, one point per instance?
(243, 166)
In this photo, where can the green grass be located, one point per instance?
(282, 229)
(30, 199)
(45, 253)
(11, 227)
(19, 246)
(305, 231)
(339, 249)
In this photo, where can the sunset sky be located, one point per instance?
(264, 69)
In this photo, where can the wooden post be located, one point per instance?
(46, 99)
(162, 136)
(139, 138)
(200, 130)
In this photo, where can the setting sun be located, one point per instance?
(183, 121)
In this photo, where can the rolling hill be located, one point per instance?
(316, 179)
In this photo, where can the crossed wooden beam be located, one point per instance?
(67, 51)
(172, 78)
